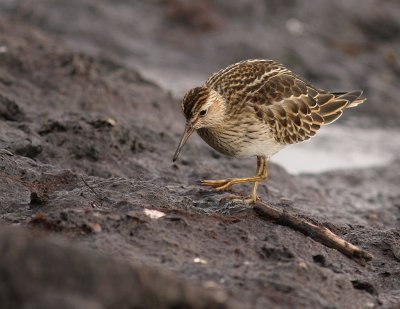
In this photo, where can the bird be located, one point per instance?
(255, 108)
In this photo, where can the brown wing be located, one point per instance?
(292, 112)
(236, 81)
(295, 109)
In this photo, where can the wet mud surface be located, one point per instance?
(86, 174)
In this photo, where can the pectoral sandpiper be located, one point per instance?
(256, 108)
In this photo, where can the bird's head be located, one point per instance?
(203, 108)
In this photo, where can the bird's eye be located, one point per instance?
(203, 113)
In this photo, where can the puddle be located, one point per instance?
(341, 147)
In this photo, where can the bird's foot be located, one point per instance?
(252, 199)
(222, 184)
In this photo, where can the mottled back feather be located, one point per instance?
(289, 105)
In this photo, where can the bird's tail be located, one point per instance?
(332, 104)
(353, 97)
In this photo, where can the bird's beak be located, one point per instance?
(186, 134)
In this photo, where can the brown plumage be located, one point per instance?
(257, 107)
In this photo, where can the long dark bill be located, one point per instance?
(186, 134)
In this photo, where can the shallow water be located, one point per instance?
(341, 147)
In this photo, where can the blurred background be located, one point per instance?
(337, 45)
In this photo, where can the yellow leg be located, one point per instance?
(223, 184)
(262, 172)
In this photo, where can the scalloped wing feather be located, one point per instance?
(290, 106)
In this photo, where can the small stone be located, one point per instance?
(38, 198)
(303, 265)
(110, 122)
(198, 260)
(153, 214)
(96, 228)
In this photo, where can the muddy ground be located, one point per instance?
(89, 116)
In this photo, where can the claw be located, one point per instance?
(251, 199)
(248, 200)
(218, 184)
(213, 182)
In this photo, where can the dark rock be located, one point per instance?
(10, 110)
(320, 259)
(37, 272)
(365, 286)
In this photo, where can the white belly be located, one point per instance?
(266, 147)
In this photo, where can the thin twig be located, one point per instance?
(92, 189)
(321, 234)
